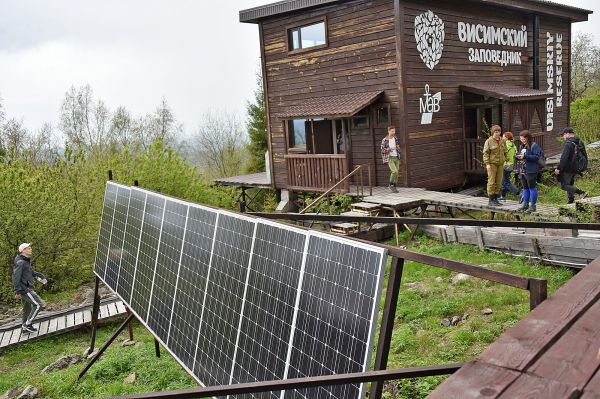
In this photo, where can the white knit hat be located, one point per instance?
(23, 246)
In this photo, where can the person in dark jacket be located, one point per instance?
(22, 278)
(528, 157)
(566, 170)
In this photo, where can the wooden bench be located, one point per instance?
(552, 353)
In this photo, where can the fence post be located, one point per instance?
(387, 323)
(538, 292)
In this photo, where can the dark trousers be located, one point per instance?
(567, 183)
(507, 186)
(32, 304)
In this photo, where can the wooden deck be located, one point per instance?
(58, 323)
(410, 198)
(255, 180)
(552, 353)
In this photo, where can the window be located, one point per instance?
(361, 120)
(297, 133)
(382, 116)
(307, 36)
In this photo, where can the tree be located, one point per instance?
(85, 121)
(219, 145)
(256, 125)
(585, 66)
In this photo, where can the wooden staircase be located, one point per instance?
(358, 209)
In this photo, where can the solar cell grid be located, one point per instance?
(224, 296)
(236, 299)
(116, 238)
(335, 314)
(193, 272)
(133, 230)
(165, 276)
(108, 210)
(269, 307)
(144, 272)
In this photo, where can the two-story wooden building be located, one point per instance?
(338, 72)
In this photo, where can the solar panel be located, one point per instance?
(237, 299)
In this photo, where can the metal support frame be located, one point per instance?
(106, 345)
(95, 312)
(300, 383)
(156, 347)
(387, 323)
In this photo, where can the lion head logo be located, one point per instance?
(429, 32)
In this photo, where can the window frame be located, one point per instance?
(361, 114)
(308, 22)
(376, 115)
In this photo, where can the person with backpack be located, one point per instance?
(22, 279)
(573, 162)
(529, 156)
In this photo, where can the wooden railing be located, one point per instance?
(474, 152)
(317, 172)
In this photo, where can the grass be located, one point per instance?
(419, 339)
(22, 365)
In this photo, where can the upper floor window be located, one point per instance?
(307, 36)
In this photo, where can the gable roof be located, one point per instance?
(575, 14)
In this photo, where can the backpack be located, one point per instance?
(580, 158)
(542, 160)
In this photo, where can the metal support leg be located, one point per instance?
(130, 327)
(243, 201)
(106, 345)
(95, 312)
(387, 323)
(156, 347)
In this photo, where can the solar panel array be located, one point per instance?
(237, 299)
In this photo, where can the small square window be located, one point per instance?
(360, 120)
(307, 36)
(382, 116)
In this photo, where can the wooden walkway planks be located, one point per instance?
(59, 323)
(552, 351)
(408, 198)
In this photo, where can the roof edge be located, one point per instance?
(575, 14)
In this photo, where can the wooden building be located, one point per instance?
(337, 73)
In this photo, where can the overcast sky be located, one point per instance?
(195, 53)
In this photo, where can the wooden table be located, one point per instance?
(552, 353)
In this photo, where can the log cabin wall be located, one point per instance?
(360, 56)
(435, 150)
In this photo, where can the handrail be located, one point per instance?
(349, 175)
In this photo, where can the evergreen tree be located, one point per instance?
(257, 129)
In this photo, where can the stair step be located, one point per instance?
(366, 208)
(353, 213)
(344, 228)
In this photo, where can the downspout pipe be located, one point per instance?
(536, 52)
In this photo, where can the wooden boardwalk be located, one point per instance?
(411, 198)
(552, 353)
(58, 323)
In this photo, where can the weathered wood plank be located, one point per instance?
(528, 386)
(572, 359)
(61, 323)
(87, 316)
(69, 320)
(6, 338)
(520, 346)
(475, 380)
(593, 386)
(16, 335)
(43, 328)
(112, 308)
(53, 325)
(121, 307)
(78, 318)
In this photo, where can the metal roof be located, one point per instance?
(506, 92)
(340, 106)
(253, 15)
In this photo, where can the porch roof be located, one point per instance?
(506, 92)
(340, 106)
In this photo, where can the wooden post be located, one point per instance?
(95, 311)
(538, 292)
(387, 323)
(110, 175)
(129, 326)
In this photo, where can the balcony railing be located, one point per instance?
(317, 172)
(474, 152)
